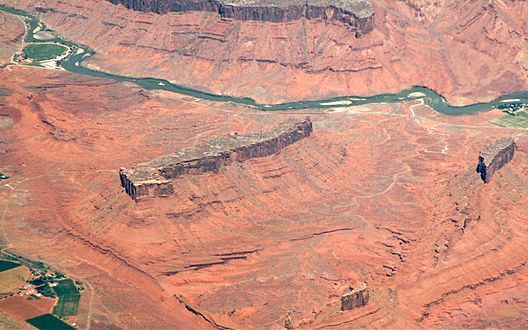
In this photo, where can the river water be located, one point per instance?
(74, 64)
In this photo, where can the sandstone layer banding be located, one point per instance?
(356, 298)
(495, 156)
(155, 177)
(411, 44)
(382, 193)
(273, 234)
(357, 14)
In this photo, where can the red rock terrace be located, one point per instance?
(155, 178)
(356, 298)
(356, 14)
(495, 156)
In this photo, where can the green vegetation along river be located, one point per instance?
(40, 51)
(73, 63)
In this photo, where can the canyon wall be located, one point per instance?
(155, 177)
(356, 298)
(308, 59)
(494, 157)
(11, 33)
(356, 14)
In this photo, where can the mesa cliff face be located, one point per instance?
(494, 157)
(357, 14)
(155, 178)
(356, 298)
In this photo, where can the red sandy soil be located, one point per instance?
(9, 322)
(22, 308)
(379, 193)
(11, 35)
(466, 50)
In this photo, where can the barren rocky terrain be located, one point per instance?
(11, 36)
(383, 193)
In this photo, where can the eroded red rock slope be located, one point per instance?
(380, 194)
(466, 50)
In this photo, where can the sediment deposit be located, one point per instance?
(494, 156)
(155, 177)
(356, 298)
(356, 14)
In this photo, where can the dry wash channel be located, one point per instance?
(155, 178)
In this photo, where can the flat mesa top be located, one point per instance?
(492, 149)
(360, 8)
(359, 288)
(149, 172)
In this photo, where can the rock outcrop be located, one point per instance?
(356, 298)
(357, 14)
(155, 177)
(494, 157)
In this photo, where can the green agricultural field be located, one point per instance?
(6, 265)
(69, 298)
(519, 121)
(33, 265)
(49, 322)
(66, 287)
(40, 52)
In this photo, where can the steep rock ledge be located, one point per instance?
(155, 177)
(494, 157)
(356, 14)
(357, 297)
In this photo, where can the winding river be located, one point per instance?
(73, 63)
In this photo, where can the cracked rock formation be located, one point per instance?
(357, 14)
(356, 298)
(495, 156)
(155, 177)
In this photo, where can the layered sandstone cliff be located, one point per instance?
(155, 177)
(356, 298)
(357, 14)
(494, 157)
(308, 59)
